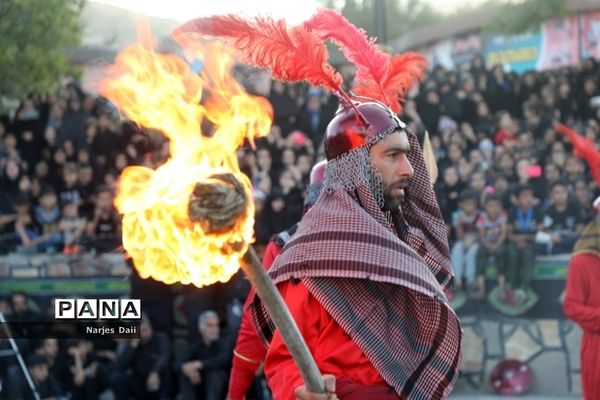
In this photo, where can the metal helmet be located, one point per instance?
(317, 178)
(317, 173)
(347, 131)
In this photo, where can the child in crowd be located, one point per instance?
(47, 215)
(72, 227)
(491, 225)
(524, 221)
(464, 251)
(563, 221)
(69, 191)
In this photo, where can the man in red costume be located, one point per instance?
(249, 352)
(365, 273)
(582, 302)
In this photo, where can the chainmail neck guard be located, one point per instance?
(354, 169)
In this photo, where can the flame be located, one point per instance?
(161, 91)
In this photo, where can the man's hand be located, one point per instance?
(191, 369)
(556, 237)
(302, 392)
(153, 382)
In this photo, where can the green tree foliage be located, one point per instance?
(35, 36)
(514, 17)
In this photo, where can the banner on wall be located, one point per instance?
(560, 44)
(453, 53)
(465, 48)
(518, 53)
(590, 34)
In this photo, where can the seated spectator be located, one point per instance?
(142, 366)
(574, 169)
(8, 239)
(448, 191)
(464, 251)
(71, 226)
(312, 119)
(42, 172)
(45, 384)
(69, 149)
(288, 183)
(21, 311)
(47, 215)
(524, 221)
(501, 188)
(26, 228)
(85, 176)
(550, 176)
(103, 230)
(491, 225)
(563, 221)
(9, 182)
(50, 348)
(68, 189)
(203, 367)
(84, 379)
(505, 165)
(583, 194)
(274, 216)
(47, 348)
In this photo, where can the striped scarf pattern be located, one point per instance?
(382, 279)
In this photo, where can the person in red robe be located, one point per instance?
(582, 302)
(365, 274)
(250, 351)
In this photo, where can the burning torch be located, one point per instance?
(191, 219)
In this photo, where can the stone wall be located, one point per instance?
(542, 336)
(549, 346)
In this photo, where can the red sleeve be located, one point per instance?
(281, 371)
(271, 252)
(249, 350)
(248, 354)
(576, 303)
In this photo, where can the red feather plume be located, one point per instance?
(371, 63)
(583, 148)
(405, 70)
(293, 54)
(379, 76)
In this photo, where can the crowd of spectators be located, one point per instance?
(143, 368)
(509, 188)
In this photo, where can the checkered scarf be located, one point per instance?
(390, 274)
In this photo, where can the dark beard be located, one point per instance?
(391, 203)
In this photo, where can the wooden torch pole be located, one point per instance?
(285, 324)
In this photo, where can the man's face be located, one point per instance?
(19, 304)
(145, 332)
(48, 201)
(450, 176)
(560, 194)
(525, 199)
(389, 159)
(50, 348)
(39, 373)
(468, 206)
(552, 173)
(493, 208)
(86, 175)
(209, 329)
(104, 200)
(70, 177)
